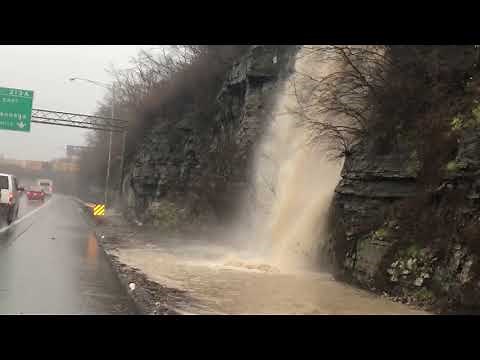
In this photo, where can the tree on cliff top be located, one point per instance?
(162, 86)
(382, 93)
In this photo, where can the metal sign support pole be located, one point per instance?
(122, 163)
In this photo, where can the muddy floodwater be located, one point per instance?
(217, 283)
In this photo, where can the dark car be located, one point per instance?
(35, 193)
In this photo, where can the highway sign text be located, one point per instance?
(15, 109)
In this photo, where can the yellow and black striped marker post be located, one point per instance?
(99, 210)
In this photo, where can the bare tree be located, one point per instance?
(348, 93)
(335, 88)
(161, 84)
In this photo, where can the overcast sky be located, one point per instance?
(45, 69)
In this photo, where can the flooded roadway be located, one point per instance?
(218, 284)
(50, 263)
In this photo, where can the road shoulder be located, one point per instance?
(135, 253)
(114, 233)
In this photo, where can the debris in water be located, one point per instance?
(418, 281)
(131, 286)
(250, 266)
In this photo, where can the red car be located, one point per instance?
(35, 193)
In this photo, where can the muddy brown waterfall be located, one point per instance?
(294, 178)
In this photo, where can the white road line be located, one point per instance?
(18, 221)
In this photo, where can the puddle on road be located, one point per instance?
(229, 286)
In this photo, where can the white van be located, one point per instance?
(46, 185)
(9, 197)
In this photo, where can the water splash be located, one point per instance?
(294, 178)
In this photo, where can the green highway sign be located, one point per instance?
(15, 109)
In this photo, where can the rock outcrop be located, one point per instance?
(371, 247)
(201, 165)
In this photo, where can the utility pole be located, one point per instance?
(112, 88)
(122, 164)
(107, 180)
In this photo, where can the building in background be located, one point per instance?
(66, 165)
(74, 152)
(35, 165)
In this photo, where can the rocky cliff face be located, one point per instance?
(195, 169)
(371, 247)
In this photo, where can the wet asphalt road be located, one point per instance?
(50, 263)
